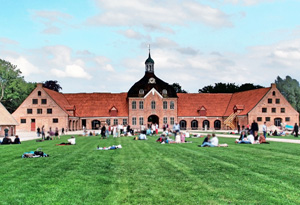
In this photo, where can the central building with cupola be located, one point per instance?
(151, 100)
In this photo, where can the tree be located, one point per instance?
(14, 89)
(290, 89)
(52, 85)
(219, 88)
(178, 88)
(228, 88)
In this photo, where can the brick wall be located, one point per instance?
(147, 111)
(58, 118)
(276, 101)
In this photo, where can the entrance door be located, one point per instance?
(32, 124)
(152, 119)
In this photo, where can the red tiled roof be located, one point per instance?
(248, 98)
(215, 103)
(98, 104)
(59, 98)
(219, 104)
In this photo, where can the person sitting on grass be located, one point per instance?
(17, 140)
(262, 139)
(248, 140)
(6, 140)
(206, 139)
(212, 141)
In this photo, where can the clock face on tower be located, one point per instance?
(151, 80)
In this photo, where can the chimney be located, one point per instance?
(39, 85)
(273, 85)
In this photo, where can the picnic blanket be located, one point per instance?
(34, 154)
(110, 147)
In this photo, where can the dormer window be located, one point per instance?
(141, 92)
(164, 92)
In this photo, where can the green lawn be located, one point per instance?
(145, 172)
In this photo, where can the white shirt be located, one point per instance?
(214, 141)
(264, 128)
(251, 138)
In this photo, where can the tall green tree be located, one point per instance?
(178, 88)
(290, 89)
(14, 89)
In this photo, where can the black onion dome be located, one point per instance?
(143, 86)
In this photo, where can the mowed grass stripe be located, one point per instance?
(146, 172)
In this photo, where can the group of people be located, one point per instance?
(251, 138)
(8, 140)
(51, 134)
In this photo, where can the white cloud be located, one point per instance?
(7, 41)
(51, 20)
(24, 65)
(73, 71)
(247, 2)
(157, 15)
(129, 33)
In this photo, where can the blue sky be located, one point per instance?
(101, 45)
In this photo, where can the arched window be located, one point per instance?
(141, 105)
(153, 105)
(194, 125)
(172, 105)
(133, 105)
(274, 93)
(217, 124)
(165, 105)
(182, 124)
(39, 93)
(205, 124)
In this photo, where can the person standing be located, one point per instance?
(295, 130)
(265, 130)
(63, 131)
(6, 132)
(103, 129)
(176, 128)
(56, 133)
(43, 132)
(38, 131)
(254, 127)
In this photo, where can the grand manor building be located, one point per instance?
(151, 100)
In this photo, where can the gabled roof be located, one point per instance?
(248, 98)
(59, 98)
(98, 104)
(5, 117)
(215, 103)
(219, 104)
